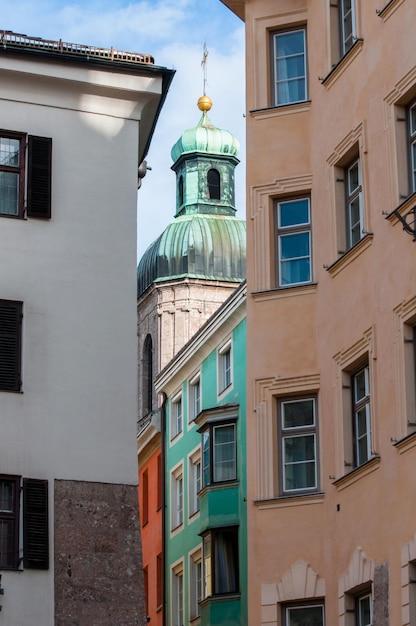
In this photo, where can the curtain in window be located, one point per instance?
(226, 562)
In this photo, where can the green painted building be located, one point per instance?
(204, 443)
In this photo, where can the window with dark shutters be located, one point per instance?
(10, 345)
(35, 524)
(39, 177)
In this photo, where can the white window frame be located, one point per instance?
(176, 416)
(298, 607)
(194, 397)
(290, 433)
(278, 78)
(210, 451)
(359, 609)
(177, 498)
(195, 582)
(225, 367)
(361, 406)
(354, 198)
(347, 15)
(177, 590)
(285, 232)
(194, 480)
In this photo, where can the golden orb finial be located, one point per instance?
(204, 103)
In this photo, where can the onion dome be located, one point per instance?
(205, 137)
(205, 240)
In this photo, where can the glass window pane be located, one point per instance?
(289, 43)
(364, 611)
(9, 152)
(293, 213)
(290, 67)
(294, 246)
(295, 272)
(360, 385)
(9, 193)
(353, 177)
(300, 467)
(412, 119)
(6, 496)
(224, 453)
(298, 413)
(205, 458)
(413, 151)
(6, 543)
(305, 616)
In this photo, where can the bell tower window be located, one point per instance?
(180, 190)
(213, 180)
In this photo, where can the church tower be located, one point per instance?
(199, 259)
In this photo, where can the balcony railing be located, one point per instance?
(14, 40)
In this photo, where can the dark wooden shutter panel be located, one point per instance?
(39, 177)
(10, 345)
(35, 524)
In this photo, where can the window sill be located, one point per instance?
(357, 473)
(283, 109)
(193, 517)
(344, 62)
(388, 10)
(402, 210)
(295, 500)
(176, 530)
(220, 597)
(226, 484)
(405, 444)
(176, 437)
(285, 292)
(350, 255)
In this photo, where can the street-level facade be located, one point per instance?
(69, 535)
(331, 311)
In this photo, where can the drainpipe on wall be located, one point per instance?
(164, 542)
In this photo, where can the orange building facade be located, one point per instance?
(151, 515)
(331, 311)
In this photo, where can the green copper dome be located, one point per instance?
(205, 240)
(210, 247)
(205, 137)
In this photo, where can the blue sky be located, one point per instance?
(174, 32)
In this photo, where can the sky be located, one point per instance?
(174, 33)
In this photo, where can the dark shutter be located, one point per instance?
(35, 524)
(10, 345)
(39, 177)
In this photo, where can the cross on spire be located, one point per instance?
(204, 63)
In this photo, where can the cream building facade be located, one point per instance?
(331, 311)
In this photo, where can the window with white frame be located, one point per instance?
(364, 609)
(360, 382)
(219, 453)
(176, 418)
(177, 595)
(354, 203)
(303, 614)
(177, 497)
(289, 67)
(293, 241)
(195, 583)
(225, 367)
(412, 146)
(298, 445)
(409, 353)
(195, 481)
(194, 397)
(348, 34)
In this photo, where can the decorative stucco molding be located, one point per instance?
(299, 582)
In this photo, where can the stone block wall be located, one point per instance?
(97, 555)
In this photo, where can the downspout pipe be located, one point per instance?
(164, 542)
